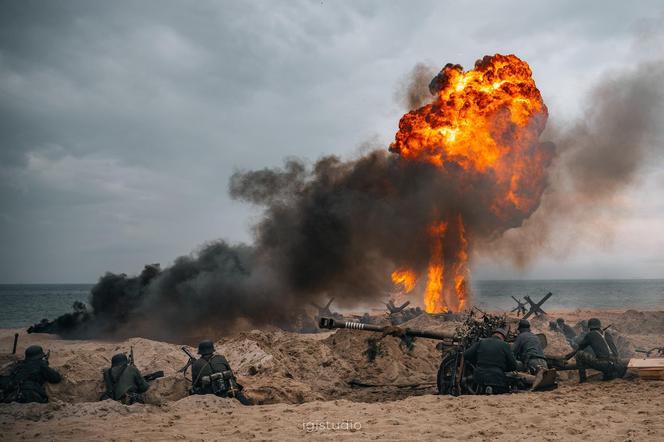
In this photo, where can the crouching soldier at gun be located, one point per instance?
(123, 381)
(212, 374)
(492, 357)
(605, 357)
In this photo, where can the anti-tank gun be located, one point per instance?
(450, 375)
(455, 375)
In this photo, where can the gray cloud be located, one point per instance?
(122, 122)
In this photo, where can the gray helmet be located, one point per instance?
(524, 324)
(119, 359)
(560, 321)
(34, 352)
(594, 324)
(500, 331)
(206, 347)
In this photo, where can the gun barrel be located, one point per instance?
(15, 343)
(331, 324)
(184, 349)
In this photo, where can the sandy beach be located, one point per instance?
(301, 382)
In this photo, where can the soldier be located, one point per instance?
(566, 330)
(492, 358)
(123, 381)
(27, 379)
(605, 357)
(211, 374)
(528, 350)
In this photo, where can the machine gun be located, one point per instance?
(658, 350)
(191, 360)
(149, 377)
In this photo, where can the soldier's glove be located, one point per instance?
(392, 330)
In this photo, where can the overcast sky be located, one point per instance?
(121, 122)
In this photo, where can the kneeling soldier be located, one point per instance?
(27, 379)
(211, 374)
(123, 381)
(605, 357)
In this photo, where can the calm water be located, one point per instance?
(25, 304)
(572, 294)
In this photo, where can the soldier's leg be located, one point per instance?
(584, 360)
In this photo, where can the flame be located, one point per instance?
(482, 125)
(433, 294)
(484, 121)
(406, 278)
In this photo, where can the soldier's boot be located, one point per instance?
(243, 399)
(583, 377)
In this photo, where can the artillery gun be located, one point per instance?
(455, 375)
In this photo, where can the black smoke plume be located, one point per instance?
(339, 228)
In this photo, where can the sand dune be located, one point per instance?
(302, 382)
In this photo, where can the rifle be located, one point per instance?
(131, 355)
(659, 350)
(191, 360)
(15, 342)
(154, 375)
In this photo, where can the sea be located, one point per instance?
(22, 305)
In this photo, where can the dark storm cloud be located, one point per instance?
(122, 122)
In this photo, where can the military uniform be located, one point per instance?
(212, 374)
(492, 357)
(26, 382)
(528, 350)
(124, 382)
(604, 356)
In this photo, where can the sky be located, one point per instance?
(121, 122)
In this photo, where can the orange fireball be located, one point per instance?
(482, 123)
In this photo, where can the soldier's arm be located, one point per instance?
(585, 342)
(611, 343)
(511, 361)
(517, 346)
(51, 375)
(471, 353)
(140, 383)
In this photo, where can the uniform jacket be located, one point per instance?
(492, 358)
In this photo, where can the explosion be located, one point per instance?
(483, 125)
(462, 171)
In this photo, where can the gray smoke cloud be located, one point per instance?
(414, 91)
(599, 156)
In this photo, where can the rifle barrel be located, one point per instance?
(15, 343)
